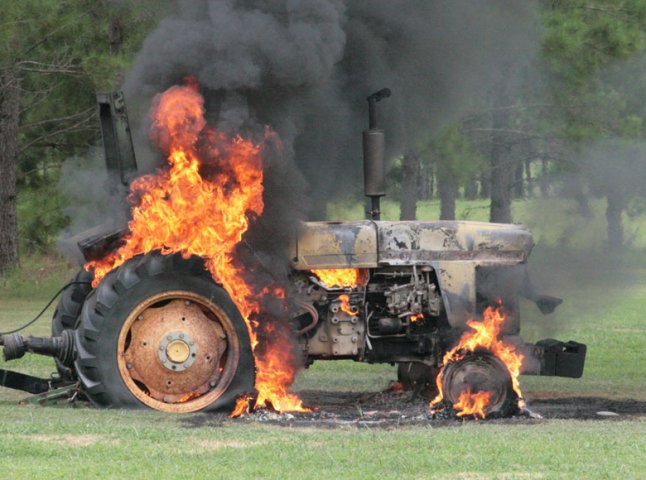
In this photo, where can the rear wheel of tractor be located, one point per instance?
(67, 312)
(158, 332)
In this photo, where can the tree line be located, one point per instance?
(567, 122)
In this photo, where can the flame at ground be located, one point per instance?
(184, 211)
(471, 403)
(341, 277)
(483, 337)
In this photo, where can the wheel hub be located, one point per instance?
(177, 351)
(478, 372)
(174, 350)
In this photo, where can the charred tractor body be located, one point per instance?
(159, 332)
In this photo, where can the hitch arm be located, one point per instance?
(23, 382)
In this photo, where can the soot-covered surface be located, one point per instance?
(392, 409)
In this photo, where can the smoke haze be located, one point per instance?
(305, 67)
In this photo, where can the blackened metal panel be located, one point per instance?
(117, 141)
(335, 245)
(410, 243)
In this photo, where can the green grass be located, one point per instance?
(38, 277)
(605, 301)
(82, 443)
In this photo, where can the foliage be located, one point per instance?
(455, 155)
(42, 218)
(584, 90)
(63, 52)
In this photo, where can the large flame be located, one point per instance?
(471, 403)
(202, 205)
(341, 277)
(484, 336)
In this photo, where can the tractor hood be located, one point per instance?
(368, 244)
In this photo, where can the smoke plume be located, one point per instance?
(305, 67)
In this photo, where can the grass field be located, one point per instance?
(605, 301)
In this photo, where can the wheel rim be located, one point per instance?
(177, 351)
(478, 372)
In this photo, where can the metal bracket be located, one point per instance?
(52, 396)
(117, 140)
(23, 382)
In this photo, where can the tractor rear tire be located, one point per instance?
(67, 313)
(158, 332)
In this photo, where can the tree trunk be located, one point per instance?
(503, 167)
(9, 117)
(471, 188)
(529, 180)
(431, 181)
(545, 179)
(410, 174)
(426, 180)
(519, 185)
(502, 176)
(447, 191)
(115, 35)
(614, 211)
(485, 185)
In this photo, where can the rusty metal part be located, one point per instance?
(342, 334)
(454, 249)
(177, 351)
(479, 372)
(369, 244)
(335, 245)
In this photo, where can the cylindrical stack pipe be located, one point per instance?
(374, 168)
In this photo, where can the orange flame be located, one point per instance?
(345, 305)
(341, 277)
(416, 317)
(483, 337)
(187, 211)
(472, 403)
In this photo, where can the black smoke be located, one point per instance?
(305, 67)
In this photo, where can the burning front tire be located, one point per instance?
(480, 373)
(159, 332)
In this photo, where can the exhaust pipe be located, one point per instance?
(374, 170)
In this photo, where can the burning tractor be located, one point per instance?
(163, 316)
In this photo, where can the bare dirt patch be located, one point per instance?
(393, 409)
(71, 440)
(209, 444)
